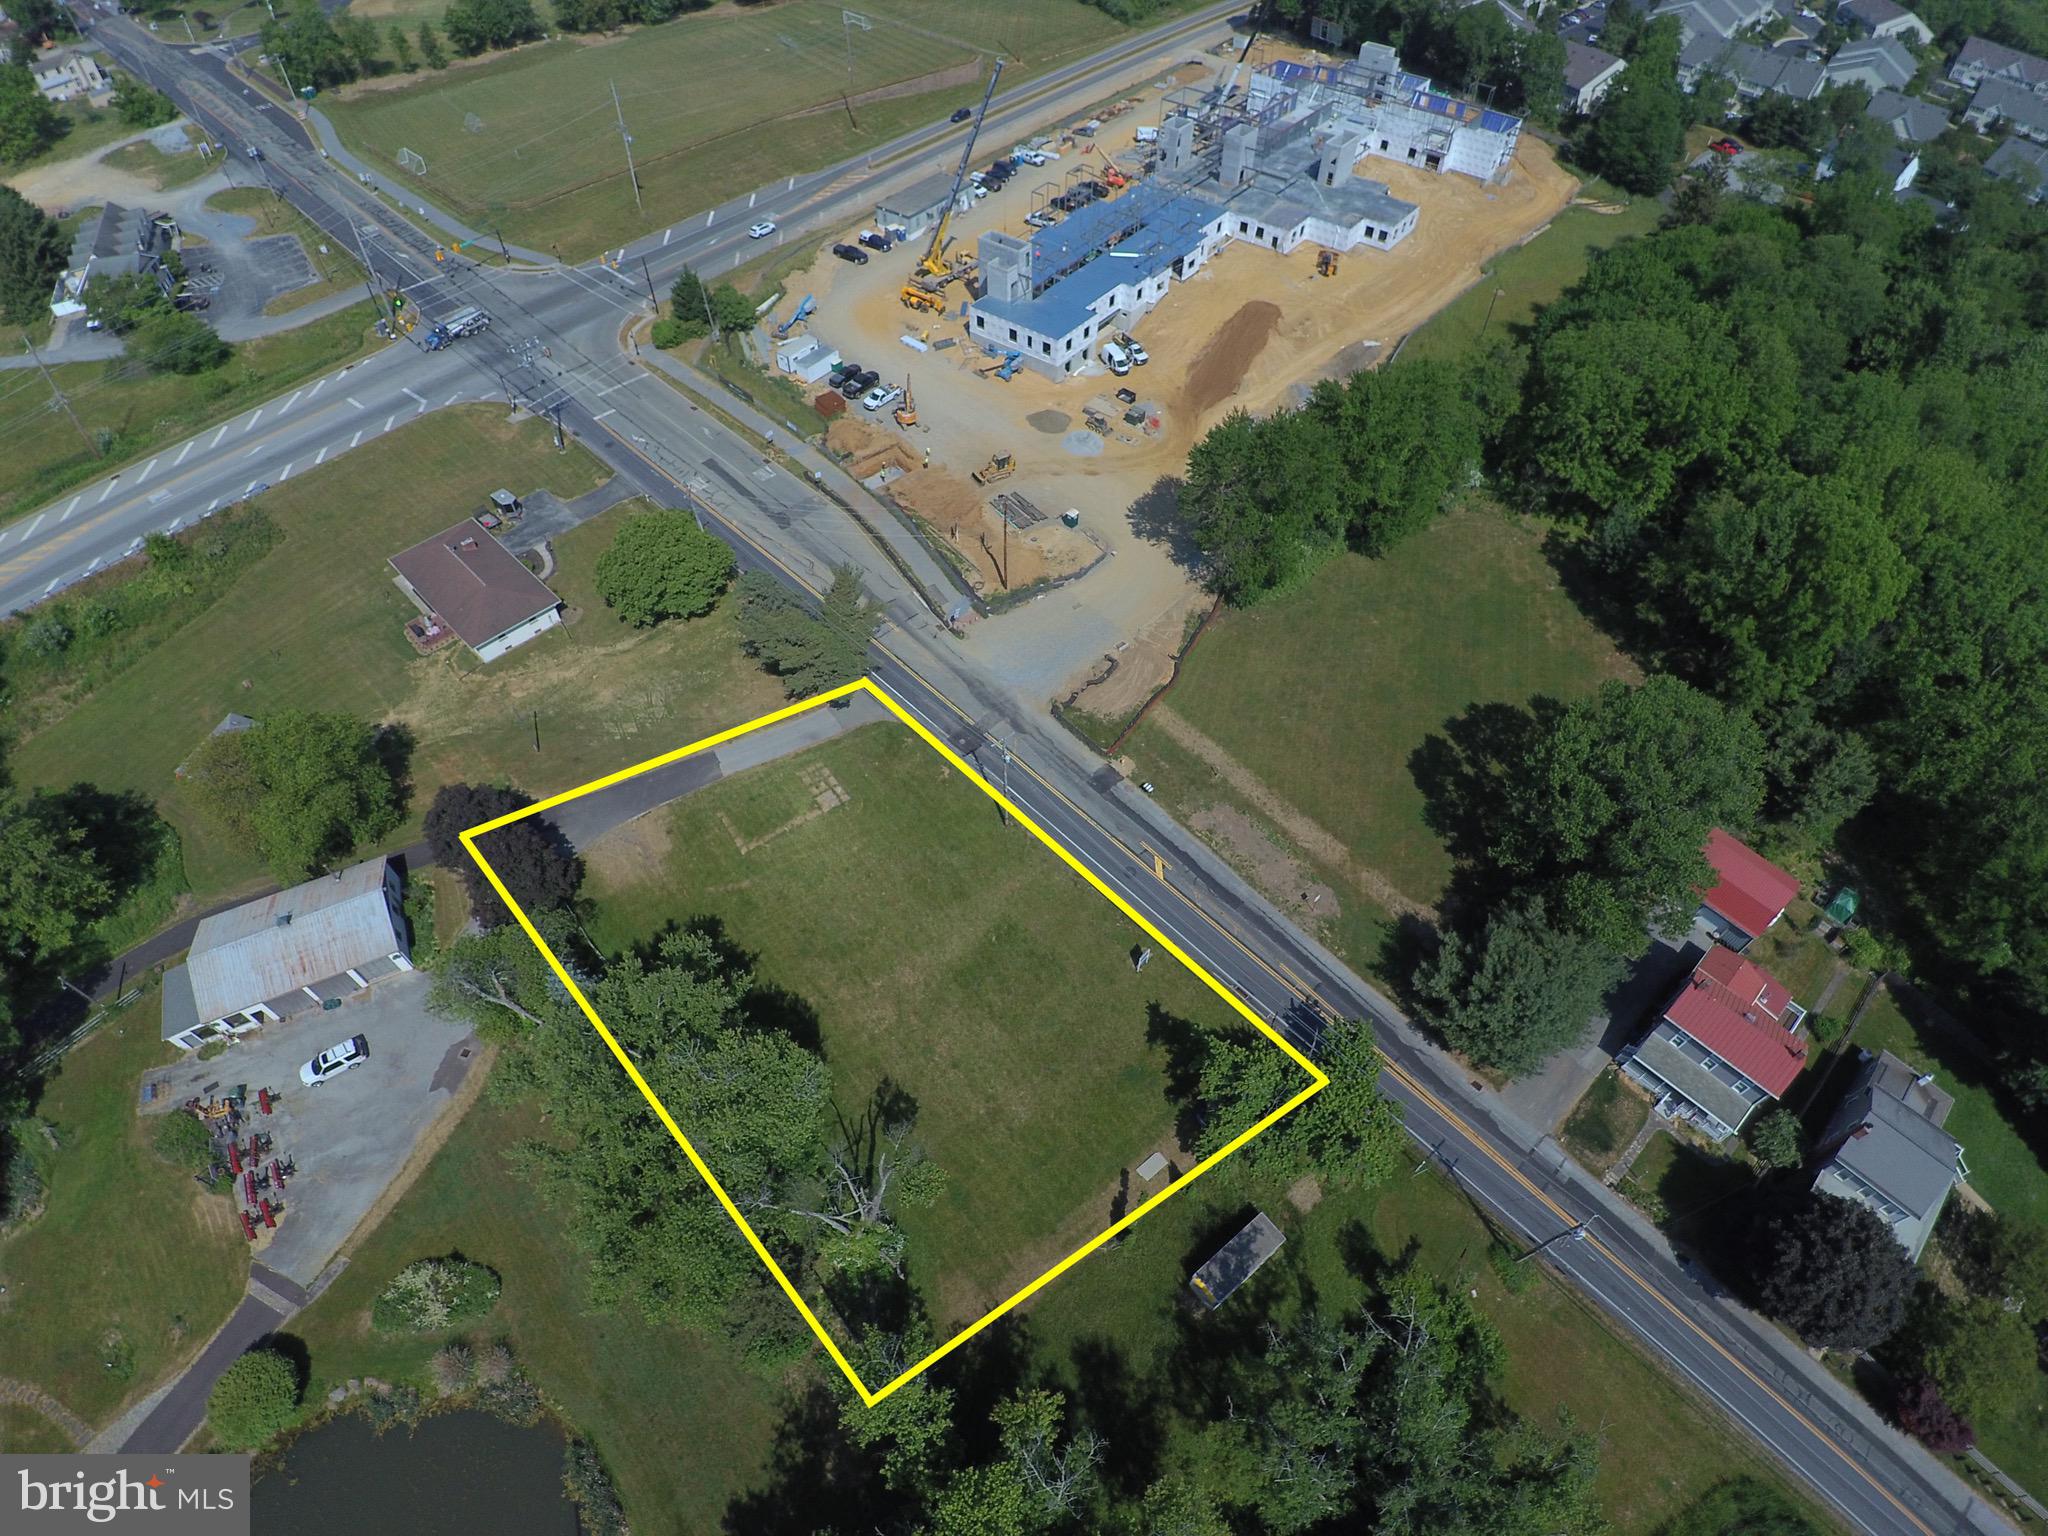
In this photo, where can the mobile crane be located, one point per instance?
(933, 271)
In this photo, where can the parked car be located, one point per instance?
(192, 301)
(881, 396)
(334, 1061)
(255, 153)
(762, 230)
(852, 253)
(961, 114)
(1139, 356)
(1725, 147)
(873, 240)
(841, 372)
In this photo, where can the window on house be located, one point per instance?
(1045, 347)
(1243, 227)
(1013, 333)
(1711, 1063)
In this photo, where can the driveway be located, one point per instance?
(351, 1135)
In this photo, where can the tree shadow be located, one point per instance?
(1602, 585)
(812, 1467)
(394, 746)
(294, 1349)
(1156, 518)
(126, 835)
(997, 1363)
(1465, 773)
(1187, 1046)
(1121, 1407)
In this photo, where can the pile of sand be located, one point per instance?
(1221, 365)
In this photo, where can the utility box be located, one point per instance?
(1237, 1261)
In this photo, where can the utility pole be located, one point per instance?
(501, 245)
(627, 139)
(58, 394)
(653, 302)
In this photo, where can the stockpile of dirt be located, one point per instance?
(1222, 364)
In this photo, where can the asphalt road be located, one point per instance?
(1876, 1480)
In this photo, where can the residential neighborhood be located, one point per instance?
(1024, 768)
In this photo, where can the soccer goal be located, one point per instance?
(409, 161)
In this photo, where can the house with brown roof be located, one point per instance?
(1728, 1042)
(1749, 893)
(478, 588)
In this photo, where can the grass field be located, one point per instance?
(1531, 275)
(604, 695)
(337, 273)
(2003, 1167)
(144, 159)
(24, 1432)
(130, 1257)
(1603, 1123)
(85, 129)
(1366, 663)
(41, 455)
(948, 953)
(1801, 959)
(1675, 1182)
(717, 104)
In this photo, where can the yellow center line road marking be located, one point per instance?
(1158, 861)
(1317, 1080)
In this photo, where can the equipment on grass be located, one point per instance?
(932, 265)
(1000, 467)
(248, 1226)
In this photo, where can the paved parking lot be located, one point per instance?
(352, 1134)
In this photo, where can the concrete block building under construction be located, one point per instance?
(1274, 167)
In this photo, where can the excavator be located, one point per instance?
(933, 271)
(906, 413)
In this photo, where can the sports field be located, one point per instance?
(950, 954)
(717, 104)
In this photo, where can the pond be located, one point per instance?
(455, 1474)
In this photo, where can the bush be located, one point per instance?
(254, 1399)
(1863, 949)
(183, 1141)
(668, 334)
(1826, 1028)
(431, 1295)
(453, 1368)
(397, 1405)
(1923, 1413)
(494, 1366)
(21, 1181)
(47, 635)
(597, 1502)
(515, 1399)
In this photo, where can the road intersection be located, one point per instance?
(555, 348)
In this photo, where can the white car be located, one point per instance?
(334, 1061)
(880, 396)
(1139, 355)
(762, 230)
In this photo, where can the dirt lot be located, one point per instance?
(1252, 330)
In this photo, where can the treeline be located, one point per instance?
(319, 50)
(1795, 453)
(1471, 49)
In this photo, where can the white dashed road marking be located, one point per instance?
(223, 432)
(352, 400)
(181, 455)
(73, 507)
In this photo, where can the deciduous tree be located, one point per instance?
(28, 124)
(1830, 1269)
(1521, 991)
(1348, 1131)
(661, 565)
(306, 787)
(533, 859)
(254, 1400)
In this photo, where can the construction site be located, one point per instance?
(1050, 326)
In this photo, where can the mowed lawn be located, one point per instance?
(41, 454)
(950, 954)
(1363, 665)
(717, 104)
(130, 1259)
(317, 623)
(682, 1424)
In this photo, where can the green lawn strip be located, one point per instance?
(335, 270)
(954, 956)
(126, 1242)
(24, 1432)
(317, 623)
(1606, 1120)
(1683, 1182)
(681, 1424)
(41, 455)
(144, 159)
(86, 129)
(2003, 1168)
(1368, 660)
(2018, 1442)
(1802, 960)
(704, 130)
(780, 397)
(1528, 277)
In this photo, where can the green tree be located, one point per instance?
(1977, 1356)
(732, 310)
(1697, 198)
(911, 1428)
(401, 50)
(1612, 809)
(1407, 439)
(1260, 499)
(1522, 991)
(32, 254)
(51, 885)
(530, 856)
(1830, 1269)
(1177, 1506)
(123, 302)
(689, 305)
(359, 36)
(431, 48)
(141, 106)
(170, 341)
(1741, 1506)
(498, 981)
(475, 25)
(1638, 131)
(305, 40)
(661, 565)
(809, 652)
(255, 1399)
(1776, 1138)
(1348, 1132)
(28, 124)
(39, 22)
(307, 788)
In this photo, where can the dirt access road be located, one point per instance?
(1251, 331)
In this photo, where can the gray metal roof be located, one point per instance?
(1914, 120)
(180, 1013)
(280, 943)
(1884, 57)
(1711, 1088)
(1889, 1130)
(920, 197)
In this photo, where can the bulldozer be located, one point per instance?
(1000, 467)
(906, 413)
(1326, 264)
(924, 299)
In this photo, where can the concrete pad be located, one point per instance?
(351, 1135)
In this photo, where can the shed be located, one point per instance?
(1237, 1261)
(917, 207)
(1841, 907)
(478, 587)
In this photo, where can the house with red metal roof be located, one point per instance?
(1749, 892)
(1728, 1043)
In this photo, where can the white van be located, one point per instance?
(1116, 357)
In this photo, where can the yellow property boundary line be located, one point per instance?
(1318, 1080)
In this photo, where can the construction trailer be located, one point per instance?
(1237, 1261)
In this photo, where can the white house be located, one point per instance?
(284, 954)
(1589, 72)
(1884, 18)
(65, 76)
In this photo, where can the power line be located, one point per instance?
(58, 393)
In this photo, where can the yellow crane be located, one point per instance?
(932, 265)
